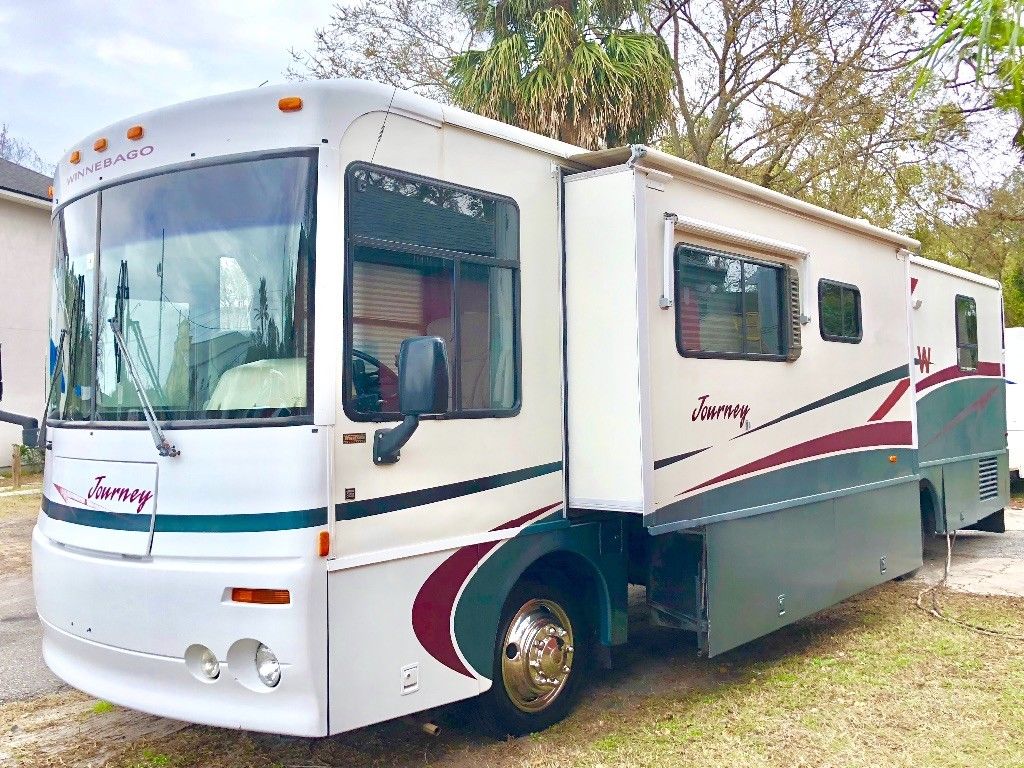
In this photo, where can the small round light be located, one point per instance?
(209, 665)
(100, 145)
(267, 667)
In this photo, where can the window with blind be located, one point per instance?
(839, 317)
(966, 333)
(733, 307)
(426, 258)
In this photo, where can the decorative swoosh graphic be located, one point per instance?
(954, 372)
(867, 436)
(354, 510)
(976, 407)
(434, 606)
(890, 402)
(899, 372)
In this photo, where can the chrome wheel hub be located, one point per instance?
(537, 652)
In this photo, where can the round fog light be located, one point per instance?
(202, 663)
(267, 666)
(209, 665)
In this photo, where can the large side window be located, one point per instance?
(426, 258)
(728, 306)
(839, 316)
(966, 333)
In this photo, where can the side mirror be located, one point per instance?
(422, 389)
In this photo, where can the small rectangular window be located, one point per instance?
(839, 317)
(727, 306)
(966, 333)
(428, 258)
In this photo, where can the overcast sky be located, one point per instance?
(70, 67)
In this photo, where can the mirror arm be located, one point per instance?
(387, 443)
(29, 427)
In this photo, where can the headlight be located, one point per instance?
(209, 665)
(267, 667)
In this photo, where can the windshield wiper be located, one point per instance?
(163, 446)
(58, 374)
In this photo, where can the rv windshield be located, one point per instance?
(208, 274)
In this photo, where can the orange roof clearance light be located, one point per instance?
(100, 145)
(49, 191)
(261, 596)
(893, 458)
(135, 133)
(76, 156)
(290, 104)
(324, 544)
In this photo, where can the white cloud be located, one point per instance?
(133, 50)
(83, 64)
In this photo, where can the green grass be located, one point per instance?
(870, 682)
(102, 708)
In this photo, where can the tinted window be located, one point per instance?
(430, 259)
(966, 333)
(727, 306)
(839, 312)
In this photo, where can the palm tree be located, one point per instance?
(588, 72)
(988, 37)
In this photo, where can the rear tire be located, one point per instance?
(542, 650)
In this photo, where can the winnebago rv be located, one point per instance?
(363, 405)
(961, 397)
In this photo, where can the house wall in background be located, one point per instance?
(25, 253)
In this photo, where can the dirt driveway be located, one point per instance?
(871, 681)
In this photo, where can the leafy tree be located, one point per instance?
(987, 38)
(17, 151)
(587, 72)
(583, 71)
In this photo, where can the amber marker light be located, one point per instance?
(76, 156)
(261, 596)
(324, 544)
(49, 191)
(135, 132)
(893, 459)
(100, 145)
(290, 104)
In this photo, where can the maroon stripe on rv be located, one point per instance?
(435, 602)
(954, 372)
(913, 284)
(867, 436)
(889, 402)
(976, 407)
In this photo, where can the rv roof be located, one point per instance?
(645, 157)
(963, 274)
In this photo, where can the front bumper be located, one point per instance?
(118, 629)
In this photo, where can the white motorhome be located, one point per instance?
(365, 405)
(961, 397)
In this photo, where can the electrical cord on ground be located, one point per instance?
(936, 608)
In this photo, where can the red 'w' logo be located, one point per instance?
(924, 359)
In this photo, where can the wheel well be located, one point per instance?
(574, 571)
(929, 506)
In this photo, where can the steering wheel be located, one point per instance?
(376, 390)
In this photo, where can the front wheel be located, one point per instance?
(542, 648)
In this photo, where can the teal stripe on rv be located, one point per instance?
(236, 523)
(897, 373)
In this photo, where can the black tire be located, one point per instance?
(500, 715)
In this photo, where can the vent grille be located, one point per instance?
(988, 478)
(793, 279)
